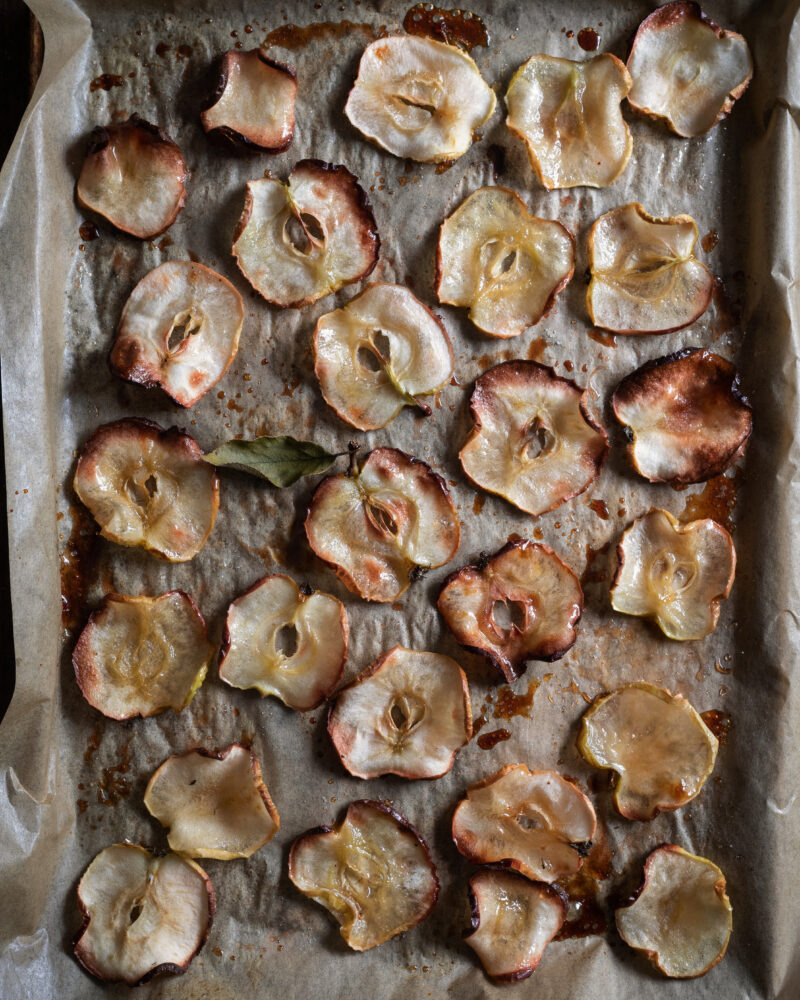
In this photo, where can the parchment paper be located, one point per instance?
(61, 301)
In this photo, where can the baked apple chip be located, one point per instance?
(502, 262)
(419, 98)
(134, 175)
(645, 277)
(407, 714)
(568, 115)
(143, 915)
(298, 242)
(148, 487)
(528, 820)
(373, 872)
(533, 441)
(383, 524)
(381, 352)
(675, 573)
(681, 920)
(214, 804)
(286, 641)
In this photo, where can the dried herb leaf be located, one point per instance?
(281, 460)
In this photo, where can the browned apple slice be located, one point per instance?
(253, 105)
(419, 98)
(525, 583)
(687, 70)
(502, 262)
(298, 242)
(381, 352)
(528, 820)
(645, 277)
(142, 655)
(373, 872)
(379, 527)
(687, 415)
(408, 714)
(675, 573)
(682, 919)
(286, 641)
(568, 115)
(143, 915)
(533, 441)
(149, 487)
(134, 175)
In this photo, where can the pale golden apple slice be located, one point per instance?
(645, 277)
(502, 262)
(298, 242)
(533, 441)
(373, 872)
(687, 415)
(134, 175)
(286, 641)
(142, 655)
(407, 714)
(381, 352)
(528, 585)
(214, 803)
(658, 745)
(148, 487)
(528, 820)
(419, 98)
(143, 915)
(682, 919)
(568, 115)
(687, 70)
(675, 573)
(380, 526)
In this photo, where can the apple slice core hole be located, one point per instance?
(185, 324)
(286, 641)
(507, 615)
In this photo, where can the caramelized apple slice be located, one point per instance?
(149, 487)
(502, 262)
(143, 915)
(528, 820)
(419, 98)
(373, 872)
(681, 920)
(134, 175)
(379, 353)
(674, 573)
(286, 641)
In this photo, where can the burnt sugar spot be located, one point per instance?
(455, 27)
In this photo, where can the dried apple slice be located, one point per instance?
(134, 175)
(407, 714)
(373, 872)
(286, 641)
(379, 353)
(568, 115)
(502, 262)
(379, 527)
(214, 803)
(687, 416)
(533, 441)
(529, 585)
(681, 920)
(675, 573)
(142, 655)
(658, 745)
(298, 242)
(513, 921)
(143, 915)
(253, 105)
(645, 277)
(419, 98)
(687, 70)
(528, 820)
(148, 487)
